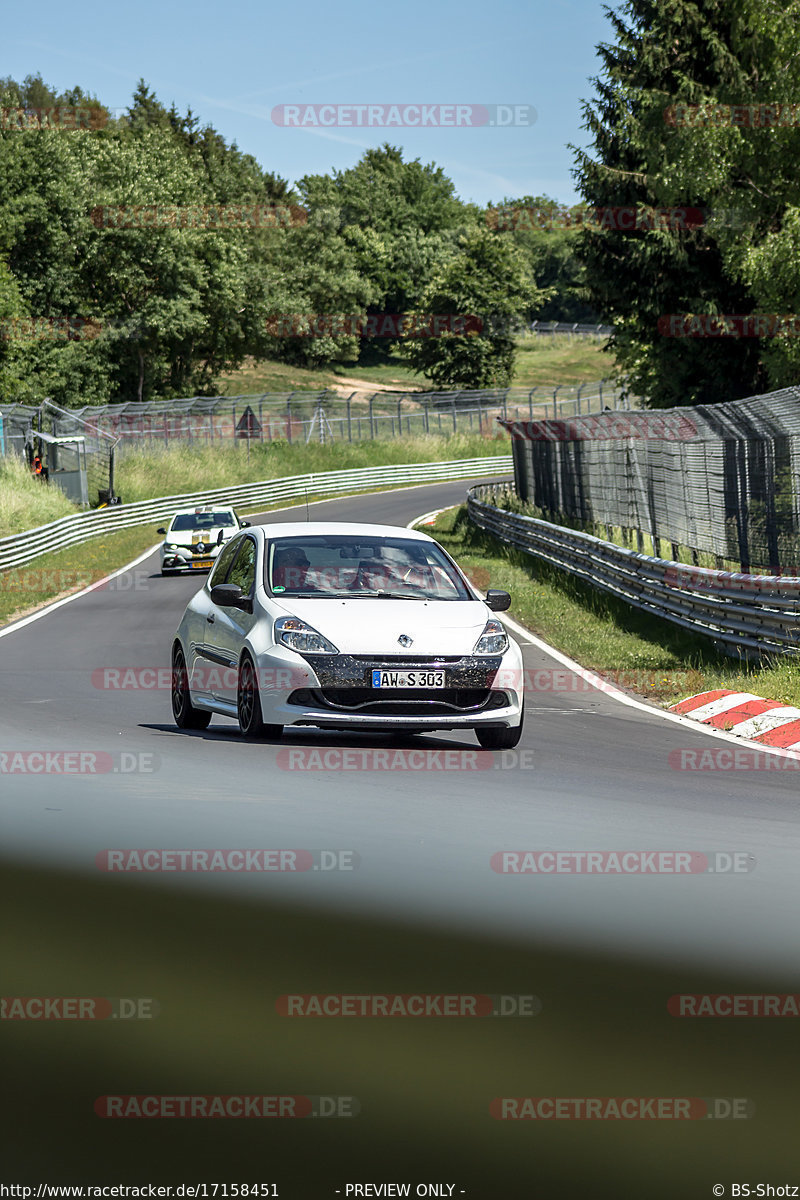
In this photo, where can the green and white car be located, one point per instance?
(195, 537)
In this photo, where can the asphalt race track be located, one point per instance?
(589, 775)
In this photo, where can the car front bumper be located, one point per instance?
(334, 692)
(185, 560)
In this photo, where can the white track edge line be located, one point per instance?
(42, 612)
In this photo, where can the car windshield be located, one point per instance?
(325, 566)
(186, 522)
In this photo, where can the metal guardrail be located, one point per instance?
(577, 330)
(747, 615)
(22, 548)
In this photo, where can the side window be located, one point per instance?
(243, 571)
(223, 562)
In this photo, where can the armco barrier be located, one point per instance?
(69, 531)
(745, 614)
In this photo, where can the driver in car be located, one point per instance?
(290, 568)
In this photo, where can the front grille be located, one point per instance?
(398, 701)
(348, 672)
(405, 660)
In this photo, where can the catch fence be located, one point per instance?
(721, 480)
(321, 416)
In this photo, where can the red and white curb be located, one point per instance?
(766, 722)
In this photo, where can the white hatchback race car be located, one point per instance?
(353, 627)
(195, 537)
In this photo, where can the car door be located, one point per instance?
(208, 665)
(227, 632)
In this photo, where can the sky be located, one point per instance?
(235, 64)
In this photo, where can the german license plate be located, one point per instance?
(408, 679)
(200, 564)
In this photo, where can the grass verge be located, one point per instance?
(143, 474)
(25, 501)
(635, 650)
(540, 361)
(149, 472)
(51, 576)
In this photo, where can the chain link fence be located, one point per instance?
(721, 480)
(321, 416)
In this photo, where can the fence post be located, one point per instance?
(453, 413)
(349, 418)
(371, 419)
(289, 419)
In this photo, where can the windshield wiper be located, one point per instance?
(379, 594)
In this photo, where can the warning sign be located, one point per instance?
(248, 424)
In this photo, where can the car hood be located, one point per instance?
(208, 536)
(364, 626)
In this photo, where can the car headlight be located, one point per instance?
(493, 640)
(294, 633)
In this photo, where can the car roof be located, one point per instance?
(340, 529)
(205, 508)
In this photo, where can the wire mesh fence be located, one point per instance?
(320, 416)
(68, 450)
(722, 480)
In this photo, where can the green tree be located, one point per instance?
(547, 233)
(692, 53)
(397, 222)
(489, 278)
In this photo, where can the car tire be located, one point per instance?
(248, 704)
(185, 714)
(500, 739)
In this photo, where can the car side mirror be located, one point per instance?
(498, 601)
(230, 595)
(244, 524)
(219, 538)
(162, 531)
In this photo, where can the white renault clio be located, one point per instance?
(340, 626)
